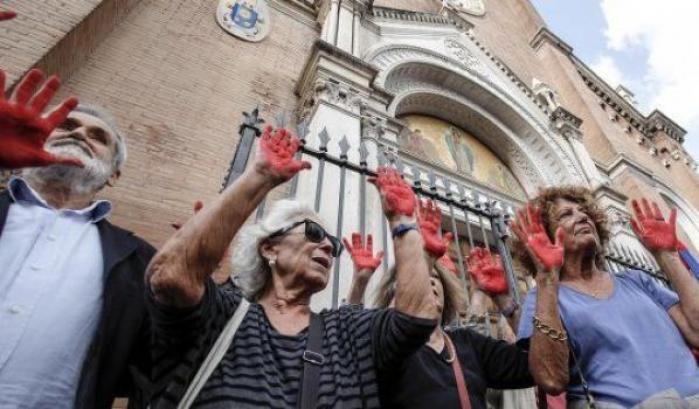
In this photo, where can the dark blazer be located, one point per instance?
(119, 353)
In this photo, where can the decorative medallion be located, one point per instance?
(245, 19)
(474, 7)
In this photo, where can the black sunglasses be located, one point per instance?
(314, 233)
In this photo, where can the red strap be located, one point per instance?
(459, 375)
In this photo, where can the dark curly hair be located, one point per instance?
(545, 201)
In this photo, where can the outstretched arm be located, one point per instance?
(660, 238)
(413, 290)
(23, 127)
(178, 272)
(548, 346)
(488, 273)
(365, 263)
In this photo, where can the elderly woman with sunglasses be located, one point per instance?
(279, 264)
(625, 334)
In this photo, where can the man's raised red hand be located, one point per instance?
(487, 271)
(651, 228)
(397, 198)
(23, 129)
(363, 256)
(530, 231)
(7, 15)
(430, 221)
(276, 157)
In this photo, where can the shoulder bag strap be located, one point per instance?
(313, 360)
(215, 355)
(458, 375)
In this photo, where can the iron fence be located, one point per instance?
(471, 215)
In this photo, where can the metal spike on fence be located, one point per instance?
(447, 186)
(363, 155)
(417, 181)
(398, 163)
(344, 147)
(432, 178)
(324, 138)
(281, 119)
(252, 118)
(381, 158)
(302, 131)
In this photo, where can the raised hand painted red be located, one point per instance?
(430, 220)
(23, 129)
(530, 231)
(487, 271)
(277, 150)
(396, 195)
(445, 260)
(651, 228)
(7, 15)
(363, 256)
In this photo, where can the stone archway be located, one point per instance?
(468, 94)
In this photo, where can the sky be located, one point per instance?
(651, 47)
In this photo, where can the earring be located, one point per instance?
(272, 262)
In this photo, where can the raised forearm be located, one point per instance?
(505, 302)
(357, 290)
(414, 294)
(684, 283)
(179, 270)
(548, 358)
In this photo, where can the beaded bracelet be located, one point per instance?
(552, 333)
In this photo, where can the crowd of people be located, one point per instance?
(91, 312)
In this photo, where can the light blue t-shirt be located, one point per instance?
(627, 345)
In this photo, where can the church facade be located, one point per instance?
(476, 101)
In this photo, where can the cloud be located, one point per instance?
(606, 67)
(667, 31)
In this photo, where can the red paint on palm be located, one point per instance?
(651, 228)
(7, 15)
(278, 149)
(446, 260)
(487, 271)
(530, 230)
(23, 128)
(397, 197)
(363, 256)
(430, 220)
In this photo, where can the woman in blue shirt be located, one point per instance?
(628, 333)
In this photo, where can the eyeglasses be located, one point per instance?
(314, 233)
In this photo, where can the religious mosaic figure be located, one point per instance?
(459, 149)
(417, 143)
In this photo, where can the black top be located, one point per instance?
(426, 380)
(262, 368)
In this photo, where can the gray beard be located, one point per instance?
(89, 179)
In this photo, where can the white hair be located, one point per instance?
(107, 118)
(251, 271)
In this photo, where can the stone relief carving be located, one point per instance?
(474, 7)
(333, 92)
(373, 126)
(545, 94)
(618, 221)
(464, 55)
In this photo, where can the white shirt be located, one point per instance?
(51, 284)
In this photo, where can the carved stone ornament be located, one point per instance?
(464, 55)
(245, 19)
(334, 93)
(545, 94)
(473, 7)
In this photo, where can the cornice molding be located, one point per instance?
(646, 125)
(418, 17)
(544, 35)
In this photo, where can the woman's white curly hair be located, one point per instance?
(251, 271)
